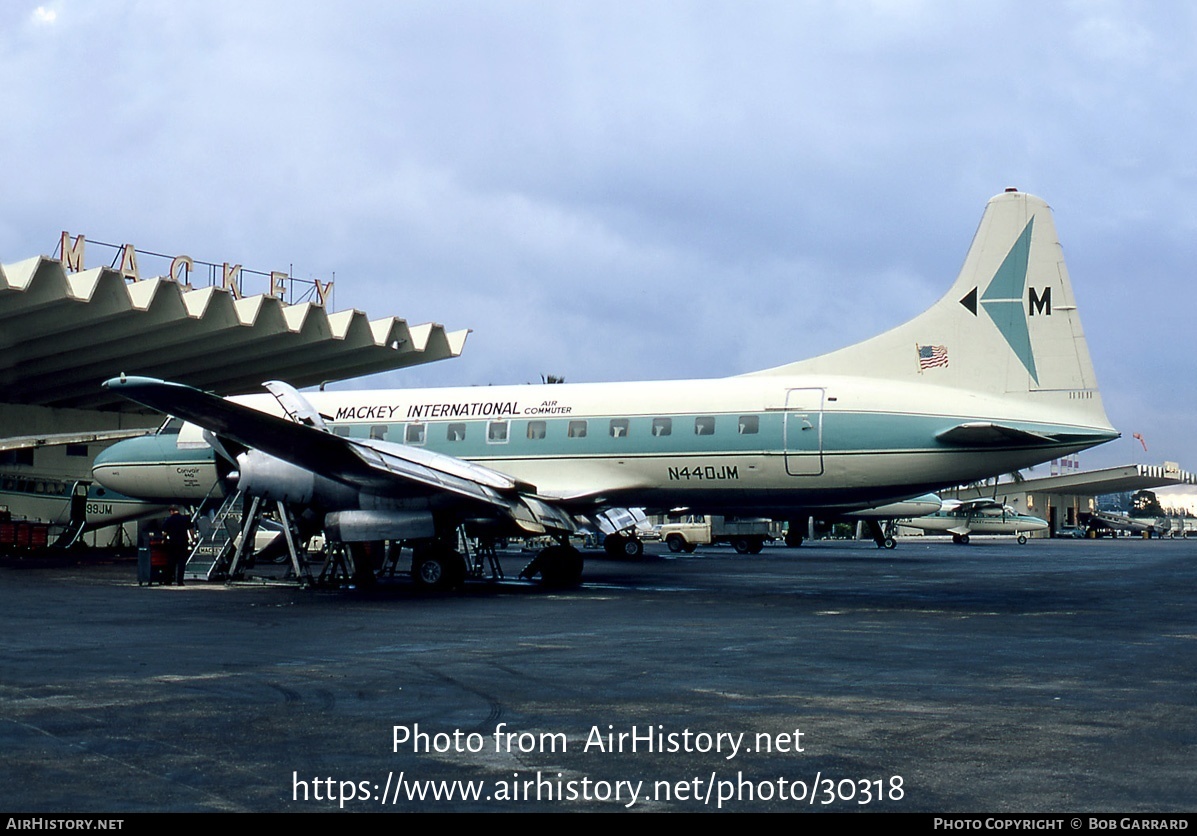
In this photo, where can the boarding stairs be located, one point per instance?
(217, 540)
(77, 522)
(225, 548)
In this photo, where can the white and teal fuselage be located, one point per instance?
(993, 377)
(769, 445)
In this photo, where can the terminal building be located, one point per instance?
(67, 328)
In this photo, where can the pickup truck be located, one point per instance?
(747, 535)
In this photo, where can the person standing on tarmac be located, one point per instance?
(176, 529)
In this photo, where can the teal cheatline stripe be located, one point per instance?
(1002, 300)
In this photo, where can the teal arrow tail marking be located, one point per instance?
(1002, 300)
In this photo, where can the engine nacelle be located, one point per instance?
(364, 526)
(271, 478)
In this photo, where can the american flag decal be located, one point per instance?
(933, 356)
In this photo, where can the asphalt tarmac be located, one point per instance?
(1056, 676)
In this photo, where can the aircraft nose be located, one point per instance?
(129, 451)
(154, 467)
(115, 466)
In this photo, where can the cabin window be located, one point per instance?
(662, 426)
(456, 431)
(414, 433)
(496, 432)
(619, 428)
(577, 429)
(536, 429)
(379, 432)
(750, 424)
(342, 431)
(704, 425)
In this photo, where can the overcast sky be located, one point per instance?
(621, 190)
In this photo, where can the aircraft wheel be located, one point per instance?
(1022, 539)
(889, 543)
(964, 540)
(613, 545)
(437, 568)
(560, 566)
(676, 543)
(632, 547)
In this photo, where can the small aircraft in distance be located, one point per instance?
(994, 377)
(68, 508)
(1114, 521)
(960, 518)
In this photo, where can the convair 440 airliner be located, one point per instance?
(994, 377)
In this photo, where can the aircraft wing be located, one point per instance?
(21, 442)
(980, 504)
(376, 465)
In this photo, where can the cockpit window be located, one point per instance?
(170, 426)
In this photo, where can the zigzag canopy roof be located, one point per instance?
(62, 334)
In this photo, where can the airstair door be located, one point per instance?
(78, 519)
(804, 432)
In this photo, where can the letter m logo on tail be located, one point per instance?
(1039, 304)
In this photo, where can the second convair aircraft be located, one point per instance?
(994, 377)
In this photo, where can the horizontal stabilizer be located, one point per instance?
(984, 433)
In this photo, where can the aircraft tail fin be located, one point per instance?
(1008, 326)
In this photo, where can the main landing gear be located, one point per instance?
(436, 565)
